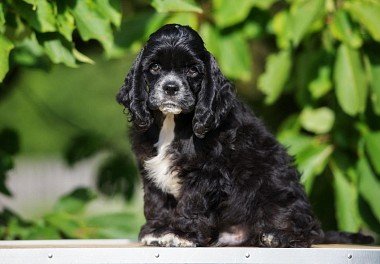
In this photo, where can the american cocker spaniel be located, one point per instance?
(212, 173)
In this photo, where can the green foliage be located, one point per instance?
(321, 78)
(48, 26)
(68, 219)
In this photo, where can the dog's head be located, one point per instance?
(174, 73)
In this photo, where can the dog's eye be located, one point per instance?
(192, 71)
(155, 68)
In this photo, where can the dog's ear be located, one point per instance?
(133, 95)
(215, 99)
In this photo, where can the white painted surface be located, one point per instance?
(119, 251)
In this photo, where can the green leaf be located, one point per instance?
(189, 19)
(75, 202)
(318, 120)
(57, 48)
(134, 29)
(39, 16)
(263, 4)
(342, 30)
(83, 146)
(3, 179)
(374, 78)
(279, 26)
(372, 143)
(236, 63)
(115, 225)
(81, 57)
(228, 13)
(322, 84)
(302, 15)
(277, 71)
(117, 174)
(346, 199)
(2, 18)
(43, 232)
(165, 6)
(5, 48)
(9, 141)
(110, 9)
(369, 186)
(312, 161)
(67, 224)
(350, 81)
(367, 13)
(91, 24)
(65, 21)
(209, 35)
(30, 53)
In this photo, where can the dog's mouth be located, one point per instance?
(170, 108)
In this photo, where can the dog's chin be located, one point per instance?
(170, 109)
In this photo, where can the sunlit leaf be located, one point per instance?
(43, 232)
(350, 81)
(367, 13)
(279, 26)
(57, 48)
(322, 84)
(302, 15)
(75, 202)
(277, 71)
(369, 186)
(228, 13)
(236, 63)
(342, 29)
(5, 48)
(115, 225)
(176, 6)
(209, 35)
(110, 9)
(2, 18)
(346, 199)
(263, 4)
(372, 142)
(318, 120)
(189, 19)
(91, 24)
(81, 57)
(40, 16)
(67, 224)
(65, 21)
(374, 77)
(312, 161)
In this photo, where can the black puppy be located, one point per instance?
(212, 173)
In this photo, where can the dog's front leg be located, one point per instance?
(192, 220)
(158, 207)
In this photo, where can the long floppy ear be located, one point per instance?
(133, 95)
(215, 99)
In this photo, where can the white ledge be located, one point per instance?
(123, 251)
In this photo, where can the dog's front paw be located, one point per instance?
(166, 240)
(269, 240)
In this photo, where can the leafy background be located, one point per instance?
(309, 68)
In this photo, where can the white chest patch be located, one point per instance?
(159, 167)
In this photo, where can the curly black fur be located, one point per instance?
(234, 176)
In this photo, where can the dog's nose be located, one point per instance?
(171, 88)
